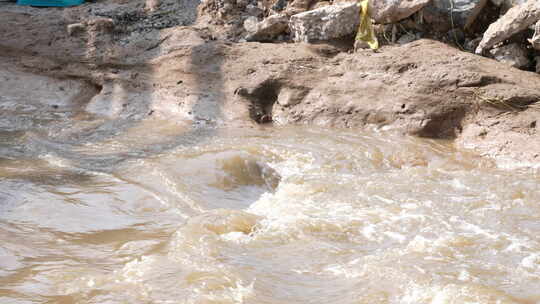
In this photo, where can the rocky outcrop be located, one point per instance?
(516, 20)
(325, 23)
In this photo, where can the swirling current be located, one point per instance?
(96, 211)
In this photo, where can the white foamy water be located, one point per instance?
(291, 215)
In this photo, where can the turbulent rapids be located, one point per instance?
(153, 152)
(162, 213)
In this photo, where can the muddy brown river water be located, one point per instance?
(150, 211)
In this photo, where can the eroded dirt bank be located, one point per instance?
(122, 60)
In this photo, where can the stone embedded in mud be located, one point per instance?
(250, 24)
(268, 29)
(75, 29)
(291, 96)
(537, 59)
(516, 20)
(390, 11)
(325, 23)
(513, 54)
(446, 14)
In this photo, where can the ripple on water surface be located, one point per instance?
(290, 215)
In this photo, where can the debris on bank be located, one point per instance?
(505, 30)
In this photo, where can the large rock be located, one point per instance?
(325, 23)
(390, 11)
(268, 29)
(445, 14)
(516, 20)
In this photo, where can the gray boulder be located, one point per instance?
(391, 11)
(446, 14)
(268, 29)
(513, 54)
(325, 23)
(516, 20)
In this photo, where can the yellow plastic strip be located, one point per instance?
(365, 29)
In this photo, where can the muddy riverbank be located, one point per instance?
(131, 61)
